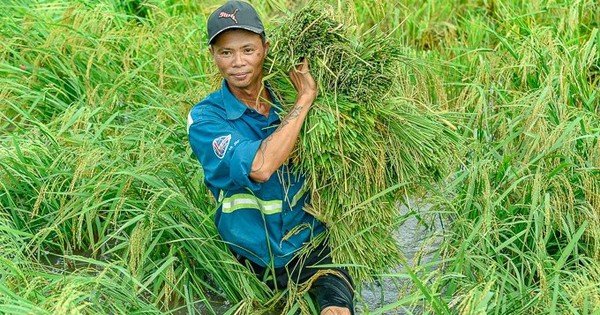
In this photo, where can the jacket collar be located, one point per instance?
(235, 108)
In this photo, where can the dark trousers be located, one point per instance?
(330, 289)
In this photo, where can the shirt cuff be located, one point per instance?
(241, 164)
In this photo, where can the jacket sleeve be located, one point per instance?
(225, 154)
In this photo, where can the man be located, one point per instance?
(243, 145)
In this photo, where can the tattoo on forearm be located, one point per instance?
(292, 115)
(263, 146)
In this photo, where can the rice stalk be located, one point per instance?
(362, 136)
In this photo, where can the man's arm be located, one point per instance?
(225, 166)
(276, 148)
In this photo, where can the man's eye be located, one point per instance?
(249, 50)
(226, 53)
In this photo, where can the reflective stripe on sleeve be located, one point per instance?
(248, 201)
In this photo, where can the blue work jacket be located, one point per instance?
(263, 222)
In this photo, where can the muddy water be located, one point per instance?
(418, 237)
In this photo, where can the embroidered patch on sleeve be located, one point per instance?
(220, 145)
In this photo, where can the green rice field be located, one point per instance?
(486, 112)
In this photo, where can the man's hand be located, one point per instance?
(335, 310)
(304, 82)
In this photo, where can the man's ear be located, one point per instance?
(266, 47)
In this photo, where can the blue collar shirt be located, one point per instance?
(264, 222)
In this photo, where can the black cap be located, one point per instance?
(234, 14)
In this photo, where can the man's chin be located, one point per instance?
(238, 84)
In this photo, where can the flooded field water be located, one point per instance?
(418, 242)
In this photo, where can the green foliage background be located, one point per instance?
(102, 208)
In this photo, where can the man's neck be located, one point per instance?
(256, 98)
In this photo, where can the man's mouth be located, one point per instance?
(241, 75)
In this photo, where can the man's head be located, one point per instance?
(234, 15)
(236, 36)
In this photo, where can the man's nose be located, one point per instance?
(238, 59)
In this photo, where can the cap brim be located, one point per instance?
(248, 28)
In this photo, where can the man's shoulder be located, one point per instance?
(211, 106)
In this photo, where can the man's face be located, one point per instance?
(239, 55)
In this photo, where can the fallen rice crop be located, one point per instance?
(487, 111)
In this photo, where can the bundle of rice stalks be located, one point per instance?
(365, 136)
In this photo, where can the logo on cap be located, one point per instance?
(224, 15)
(220, 145)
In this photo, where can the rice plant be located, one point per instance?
(487, 110)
